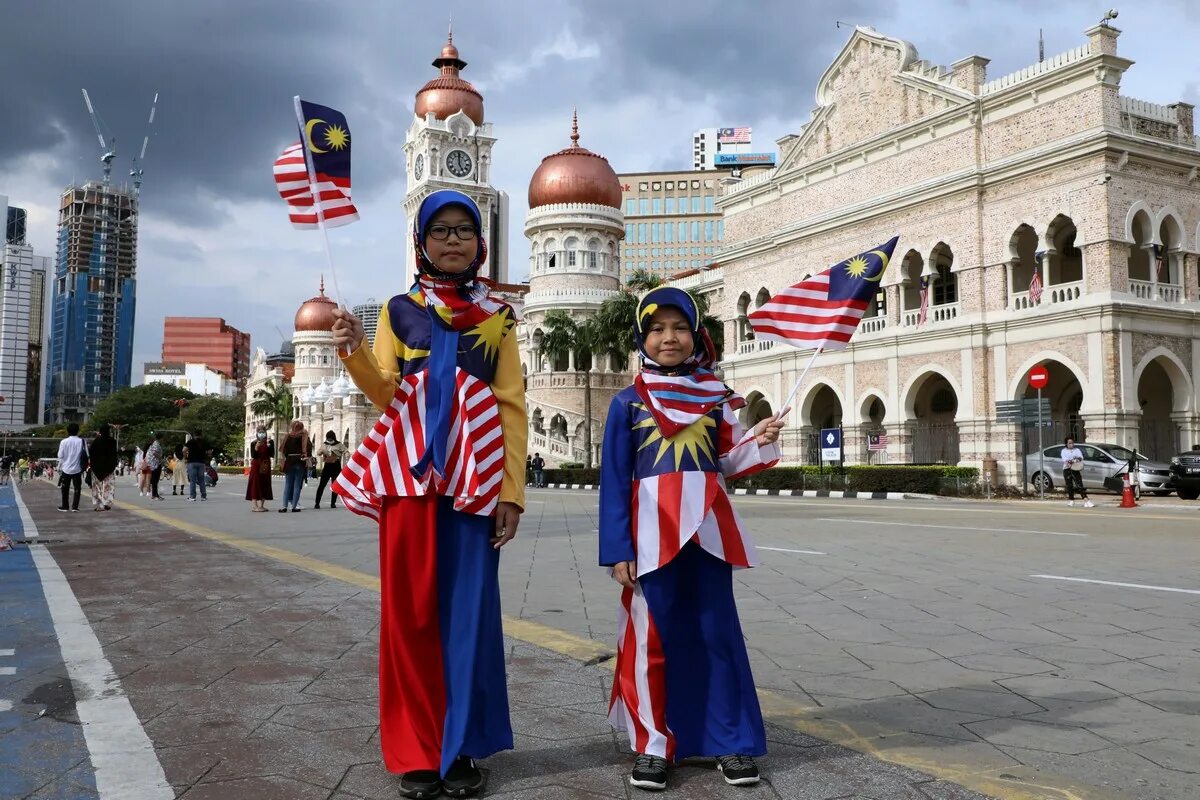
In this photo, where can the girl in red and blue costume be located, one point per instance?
(443, 472)
(683, 686)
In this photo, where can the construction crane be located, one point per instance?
(135, 171)
(109, 146)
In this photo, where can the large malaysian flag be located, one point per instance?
(733, 136)
(824, 311)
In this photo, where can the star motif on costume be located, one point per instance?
(694, 440)
(857, 267)
(337, 137)
(490, 333)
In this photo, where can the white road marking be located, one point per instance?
(4, 652)
(125, 764)
(29, 530)
(5, 705)
(960, 528)
(1118, 583)
(8, 670)
(785, 550)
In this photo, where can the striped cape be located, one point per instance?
(382, 465)
(677, 401)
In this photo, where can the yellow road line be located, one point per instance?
(1001, 779)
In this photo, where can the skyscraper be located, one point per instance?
(368, 312)
(209, 341)
(22, 322)
(92, 313)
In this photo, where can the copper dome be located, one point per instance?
(316, 313)
(575, 175)
(447, 93)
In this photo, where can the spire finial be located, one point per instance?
(575, 126)
(322, 284)
(450, 31)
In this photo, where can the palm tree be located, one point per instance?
(588, 338)
(273, 401)
(618, 313)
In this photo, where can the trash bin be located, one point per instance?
(991, 475)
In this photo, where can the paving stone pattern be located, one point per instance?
(256, 680)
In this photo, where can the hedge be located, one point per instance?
(883, 478)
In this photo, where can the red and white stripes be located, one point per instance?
(474, 457)
(292, 181)
(639, 694)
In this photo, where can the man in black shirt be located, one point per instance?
(196, 451)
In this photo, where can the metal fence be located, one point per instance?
(1158, 439)
(935, 444)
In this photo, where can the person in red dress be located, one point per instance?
(258, 482)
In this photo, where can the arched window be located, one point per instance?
(762, 297)
(572, 245)
(593, 253)
(911, 267)
(945, 286)
(550, 255)
(1141, 257)
(1065, 259)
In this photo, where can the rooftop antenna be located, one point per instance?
(1041, 47)
(136, 171)
(109, 147)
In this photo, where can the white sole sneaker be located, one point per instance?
(652, 786)
(739, 781)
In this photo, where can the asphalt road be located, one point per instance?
(966, 639)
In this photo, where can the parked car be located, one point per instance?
(1185, 473)
(1102, 461)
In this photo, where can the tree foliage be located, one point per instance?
(221, 422)
(140, 410)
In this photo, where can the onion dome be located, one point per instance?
(307, 395)
(316, 313)
(575, 175)
(341, 387)
(321, 393)
(447, 93)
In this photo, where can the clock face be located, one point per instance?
(459, 163)
(419, 166)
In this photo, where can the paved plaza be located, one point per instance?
(905, 649)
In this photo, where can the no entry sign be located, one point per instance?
(1039, 377)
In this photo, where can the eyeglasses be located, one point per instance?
(463, 232)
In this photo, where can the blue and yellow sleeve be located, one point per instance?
(375, 370)
(616, 486)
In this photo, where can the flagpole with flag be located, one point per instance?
(823, 311)
(306, 141)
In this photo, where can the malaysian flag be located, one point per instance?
(733, 136)
(1158, 261)
(924, 312)
(1035, 283)
(824, 311)
(877, 442)
(327, 136)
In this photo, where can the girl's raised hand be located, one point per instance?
(347, 330)
(767, 431)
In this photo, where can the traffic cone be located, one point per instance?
(1127, 500)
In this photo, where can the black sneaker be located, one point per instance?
(421, 784)
(738, 770)
(649, 772)
(464, 778)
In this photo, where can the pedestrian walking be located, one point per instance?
(6, 466)
(195, 452)
(446, 484)
(72, 461)
(528, 470)
(102, 462)
(258, 479)
(23, 469)
(295, 464)
(154, 460)
(329, 456)
(1072, 461)
(682, 685)
(141, 471)
(539, 471)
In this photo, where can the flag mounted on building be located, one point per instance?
(824, 311)
(924, 312)
(877, 442)
(1158, 262)
(1035, 283)
(733, 136)
(313, 174)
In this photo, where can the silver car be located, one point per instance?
(1100, 461)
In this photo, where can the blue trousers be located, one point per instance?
(293, 482)
(196, 477)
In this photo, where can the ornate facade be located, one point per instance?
(1049, 169)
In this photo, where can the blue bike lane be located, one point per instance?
(43, 752)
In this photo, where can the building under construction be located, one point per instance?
(92, 313)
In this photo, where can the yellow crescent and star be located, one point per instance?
(694, 440)
(860, 266)
(336, 137)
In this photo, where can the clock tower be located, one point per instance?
(449, 146)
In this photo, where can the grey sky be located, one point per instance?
(215, 238)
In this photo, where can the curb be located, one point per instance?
(782, 493)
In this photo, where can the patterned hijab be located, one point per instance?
(456, 300)
(678, 396)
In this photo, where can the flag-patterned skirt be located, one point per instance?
(474, 469)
